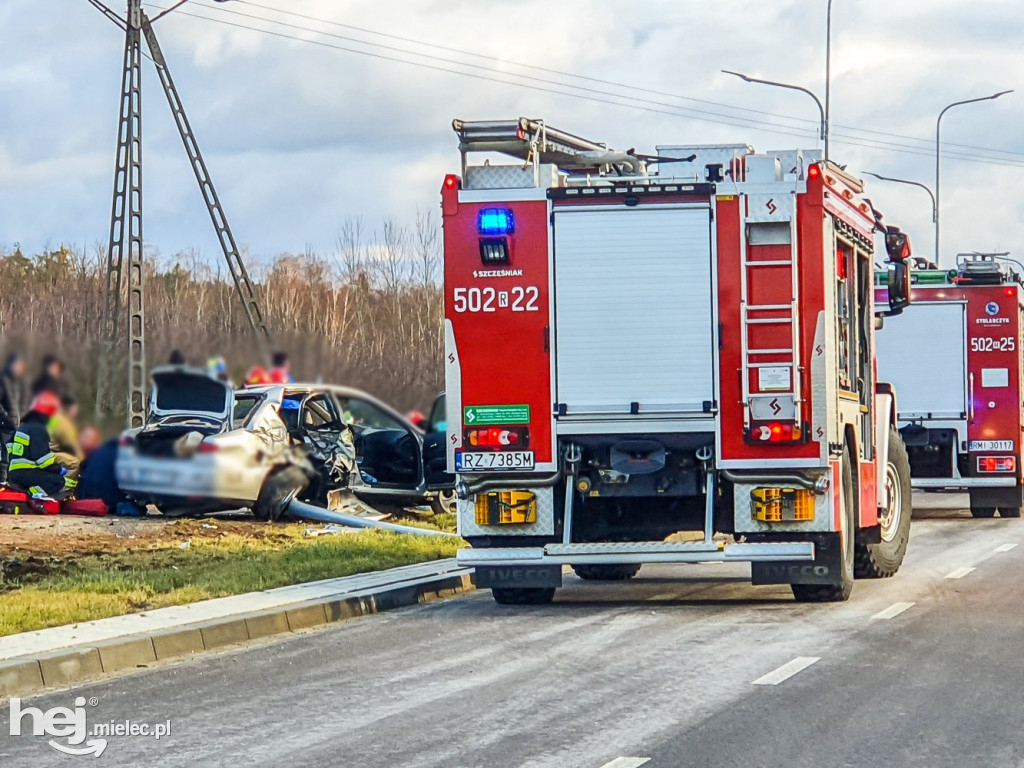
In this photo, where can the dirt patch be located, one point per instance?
(62, 536)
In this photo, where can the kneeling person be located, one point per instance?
(64, 442)
(33, 466)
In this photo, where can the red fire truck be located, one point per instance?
(957, 362)
(666, 359)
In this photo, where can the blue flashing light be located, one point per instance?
(495, 221)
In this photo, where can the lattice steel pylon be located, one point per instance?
(126, 232)
(126, 218)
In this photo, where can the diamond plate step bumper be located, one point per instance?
(638, 552)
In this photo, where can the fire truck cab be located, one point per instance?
(957, 362)
(666, 359)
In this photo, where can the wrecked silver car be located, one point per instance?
(205, 447)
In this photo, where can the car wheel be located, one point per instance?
(445, 503)
(279, 490)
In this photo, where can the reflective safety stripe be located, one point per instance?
(46, 460)
(21, 437)
(22, 464)
(70, 483)
(35, 490)
(15, 449)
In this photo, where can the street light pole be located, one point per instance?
(925, 187)
(822, 131)
(938, 156)
(828, 76)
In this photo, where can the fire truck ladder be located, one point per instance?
(782, 316)
(126, 216)
(534, 141)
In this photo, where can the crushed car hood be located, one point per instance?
(180, 391)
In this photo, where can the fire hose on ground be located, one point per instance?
(308, 511)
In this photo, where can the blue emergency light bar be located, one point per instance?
(495, 221)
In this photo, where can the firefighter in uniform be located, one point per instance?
(33, 466)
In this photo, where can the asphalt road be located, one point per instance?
(685, 666)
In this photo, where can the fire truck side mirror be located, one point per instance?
(897, 244)
(899, 287)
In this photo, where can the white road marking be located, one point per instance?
(1005, 547)
(892, 611)
(959, 573)
(627, 762)
(787, 670)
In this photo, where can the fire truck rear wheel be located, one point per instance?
(881, 560)
(620, 572)
(1009, 511)
(983, 511)
(834, 593)
(522, 595)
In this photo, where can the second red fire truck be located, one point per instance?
(667, 359)
(957, 363)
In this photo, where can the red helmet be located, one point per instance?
(46, 403)
(257, 375)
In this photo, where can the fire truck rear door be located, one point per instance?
(924, 354)
(633, 310)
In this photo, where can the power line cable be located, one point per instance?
(672, 110)
(628, 86)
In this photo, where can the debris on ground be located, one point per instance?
(330, 529)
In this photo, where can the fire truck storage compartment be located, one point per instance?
(924, 354)
(633, 311)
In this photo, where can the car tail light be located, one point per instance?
(497, 437)
(776, 432)
(997, 464)
(205, 447)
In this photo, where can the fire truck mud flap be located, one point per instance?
(825, 568)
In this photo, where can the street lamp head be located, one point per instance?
(993, 96)
(740, 75)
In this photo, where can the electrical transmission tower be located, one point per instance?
(126, 216)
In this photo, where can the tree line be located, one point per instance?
(367, 315)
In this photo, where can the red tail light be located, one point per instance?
(997, 464)
(497, 437)
(776, 432)
(205, 447)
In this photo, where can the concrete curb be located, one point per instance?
(28, 675)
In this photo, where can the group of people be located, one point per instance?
(40, 448)
(280, 371)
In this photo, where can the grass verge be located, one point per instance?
(200, 560)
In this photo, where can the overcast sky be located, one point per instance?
(300, 135)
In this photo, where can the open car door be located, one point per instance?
(388, 448)
(435, 453)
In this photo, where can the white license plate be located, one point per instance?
(493, 460)
(156, 477)
(991, 445)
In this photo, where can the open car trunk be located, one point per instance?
(180, 391)
(185, 406)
